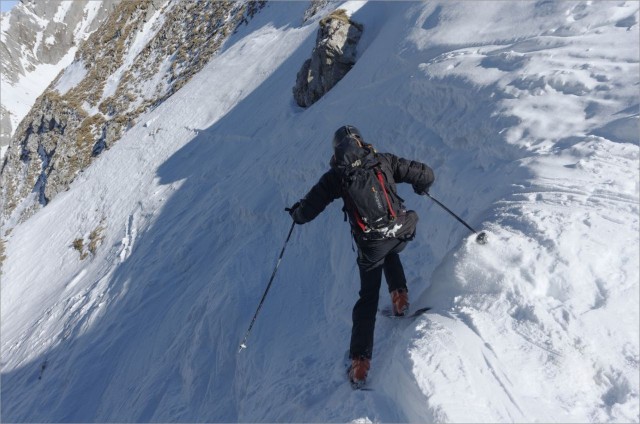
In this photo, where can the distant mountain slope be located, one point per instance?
(143, 53)
(125, 298)
(37, 40)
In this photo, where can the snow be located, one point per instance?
(71, 76)
(61, 12)
(36, 47)
(146, 34)
(91, 9)
(5, 18)
(18, 98)
(526, 111)
(28, 10)
(351, 7)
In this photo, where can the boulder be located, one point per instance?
(333, 56)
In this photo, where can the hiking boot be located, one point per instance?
(400, 302)
(359, 370)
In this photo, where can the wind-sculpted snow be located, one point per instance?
(526, 112)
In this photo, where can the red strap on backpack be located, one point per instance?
(386, 195)
(359, 221)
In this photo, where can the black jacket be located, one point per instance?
(329, 188)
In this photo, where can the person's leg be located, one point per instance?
(393, 269)
(396, 280)
(364, 312)
(394, 272)
(370, 261)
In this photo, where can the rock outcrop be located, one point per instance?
(332, 57)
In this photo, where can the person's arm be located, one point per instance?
(418, 174)
(320, 195)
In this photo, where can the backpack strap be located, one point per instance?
(357, 218)
(384, 190)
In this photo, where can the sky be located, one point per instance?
(7, 5)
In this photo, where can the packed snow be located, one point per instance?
(528, 114)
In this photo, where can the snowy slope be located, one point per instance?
(528, 114)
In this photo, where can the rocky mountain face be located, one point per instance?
(37, 40)
(332, 57)
(141, 54)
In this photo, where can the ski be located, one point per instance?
(388, 312)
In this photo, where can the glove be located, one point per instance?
(294, 211)
(422, 190)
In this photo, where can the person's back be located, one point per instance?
(380, 224)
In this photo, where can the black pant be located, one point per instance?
(374, 257)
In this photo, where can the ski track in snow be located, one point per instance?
(525, 113)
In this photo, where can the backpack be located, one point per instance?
(370, 203)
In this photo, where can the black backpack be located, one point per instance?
(370, 203)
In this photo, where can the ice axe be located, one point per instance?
(481, 237)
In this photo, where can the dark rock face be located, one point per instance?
(333, 56)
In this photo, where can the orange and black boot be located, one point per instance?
(358, 371)
(400, 302)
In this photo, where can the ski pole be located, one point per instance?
(243, 345)
(482, 236)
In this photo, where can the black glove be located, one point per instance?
(422, 190)
(294, 211)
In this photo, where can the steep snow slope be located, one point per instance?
(527, 112)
